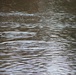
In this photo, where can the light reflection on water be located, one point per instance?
(39, 39)
(32, 57)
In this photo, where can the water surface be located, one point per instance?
(37, 37)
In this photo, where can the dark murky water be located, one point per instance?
(37, 37)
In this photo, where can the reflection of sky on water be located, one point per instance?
(32, 57)
(37, 38)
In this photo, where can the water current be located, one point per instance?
(37, 37)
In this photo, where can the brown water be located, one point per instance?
(37, 37)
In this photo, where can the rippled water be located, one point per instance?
(37, 37)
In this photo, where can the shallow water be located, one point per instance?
(37, 37)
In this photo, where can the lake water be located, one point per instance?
(37, 37)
